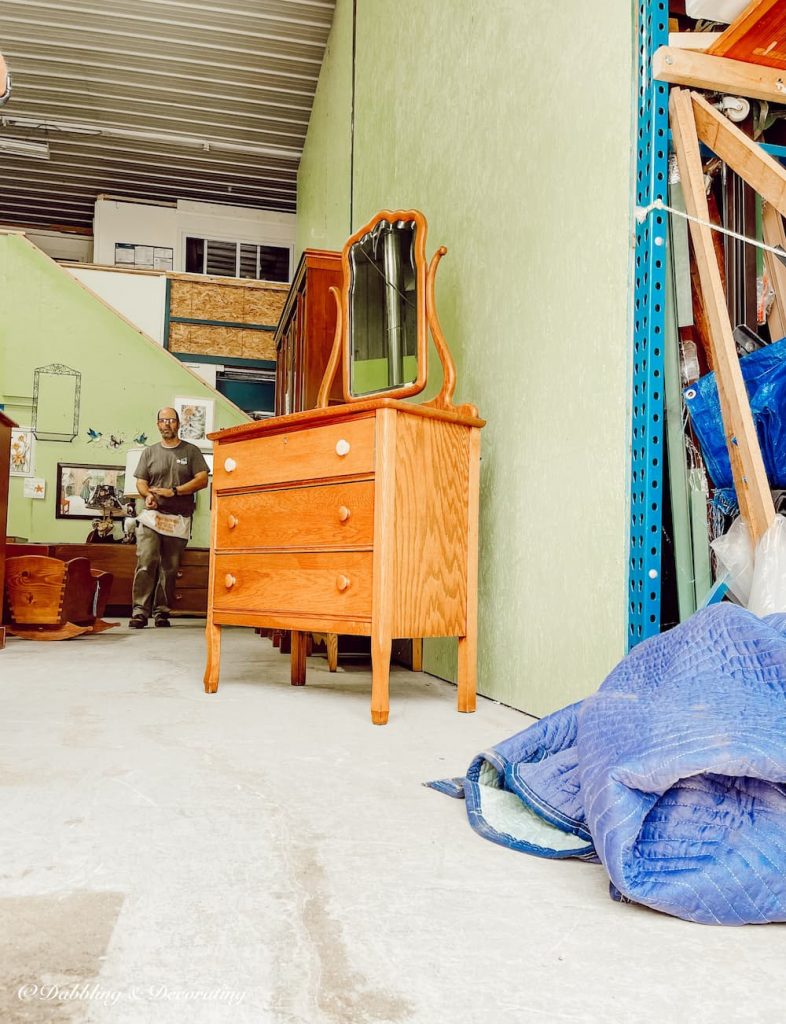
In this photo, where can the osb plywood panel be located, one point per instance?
(213, 341)
(179, 299)
(179, 340)
(263, 305)
(758, 36)
(258, 345)
(241, 302)
(217, 302)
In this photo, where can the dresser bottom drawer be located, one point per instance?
(331, 583)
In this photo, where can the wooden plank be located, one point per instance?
(757, 36)
(720, 74)
(772, 228)
(746, 157)
(750, 478)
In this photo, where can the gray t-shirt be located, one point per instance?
(168, 467)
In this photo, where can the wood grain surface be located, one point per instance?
(301, 518)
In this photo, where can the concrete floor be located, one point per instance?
(267, 856)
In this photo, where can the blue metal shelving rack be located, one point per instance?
(646, 483)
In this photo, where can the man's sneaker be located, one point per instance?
(137, 622)
(162, 620)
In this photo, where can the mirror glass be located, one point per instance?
(383, 309)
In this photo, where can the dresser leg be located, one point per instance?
(380, 680)
(213, 638)
(467, 672)
(331, 643)
(298, 658)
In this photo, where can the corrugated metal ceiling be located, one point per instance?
(156, 100)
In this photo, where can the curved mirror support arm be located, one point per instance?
(335, 352)
(444, 400)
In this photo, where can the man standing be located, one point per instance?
(168, 475)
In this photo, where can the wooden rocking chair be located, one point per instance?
(49, 599)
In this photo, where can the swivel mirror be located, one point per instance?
(385, 310)
(385, 306)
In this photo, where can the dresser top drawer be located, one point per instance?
(313, 453)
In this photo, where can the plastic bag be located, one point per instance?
(757, 581)
(768, 587)
(168, 525)
(715, 10)
(734, 551)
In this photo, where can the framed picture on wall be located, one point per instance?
(22, 451)
(196, 420)
(84, 491)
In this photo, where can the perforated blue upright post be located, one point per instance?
(646, 485)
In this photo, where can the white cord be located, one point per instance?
(642, 212)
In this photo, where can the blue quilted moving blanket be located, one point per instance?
(672, 774)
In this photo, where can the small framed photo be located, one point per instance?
(196, 420)
(22, 451)
(84, 492)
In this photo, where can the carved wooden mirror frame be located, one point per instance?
(427, 320)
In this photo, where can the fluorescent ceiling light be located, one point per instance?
(109, 131)
(23, 147)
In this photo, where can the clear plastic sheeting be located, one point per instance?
(756, 580)
(764, 373)
(724, 11)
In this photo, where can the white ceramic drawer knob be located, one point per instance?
(232, 522)
(229, 581)
(230, 465)
(342, 447)
(342, 582)
(343, 513)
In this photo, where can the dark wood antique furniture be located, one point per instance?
(359, 518)
(6, 425)
(50, 599)
(304, 337)
(120, 560)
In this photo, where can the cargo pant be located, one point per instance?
(157, 563)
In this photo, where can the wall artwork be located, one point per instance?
(83, 491)
(196, 420)
(34, 488)
(22, 449)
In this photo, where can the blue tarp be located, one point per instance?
(764, 373)
(672, 774)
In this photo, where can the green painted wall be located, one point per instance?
(48, 317)
(509, 124)
(323, 178)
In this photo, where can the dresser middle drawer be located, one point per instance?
(331, 583)
(327, 516)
